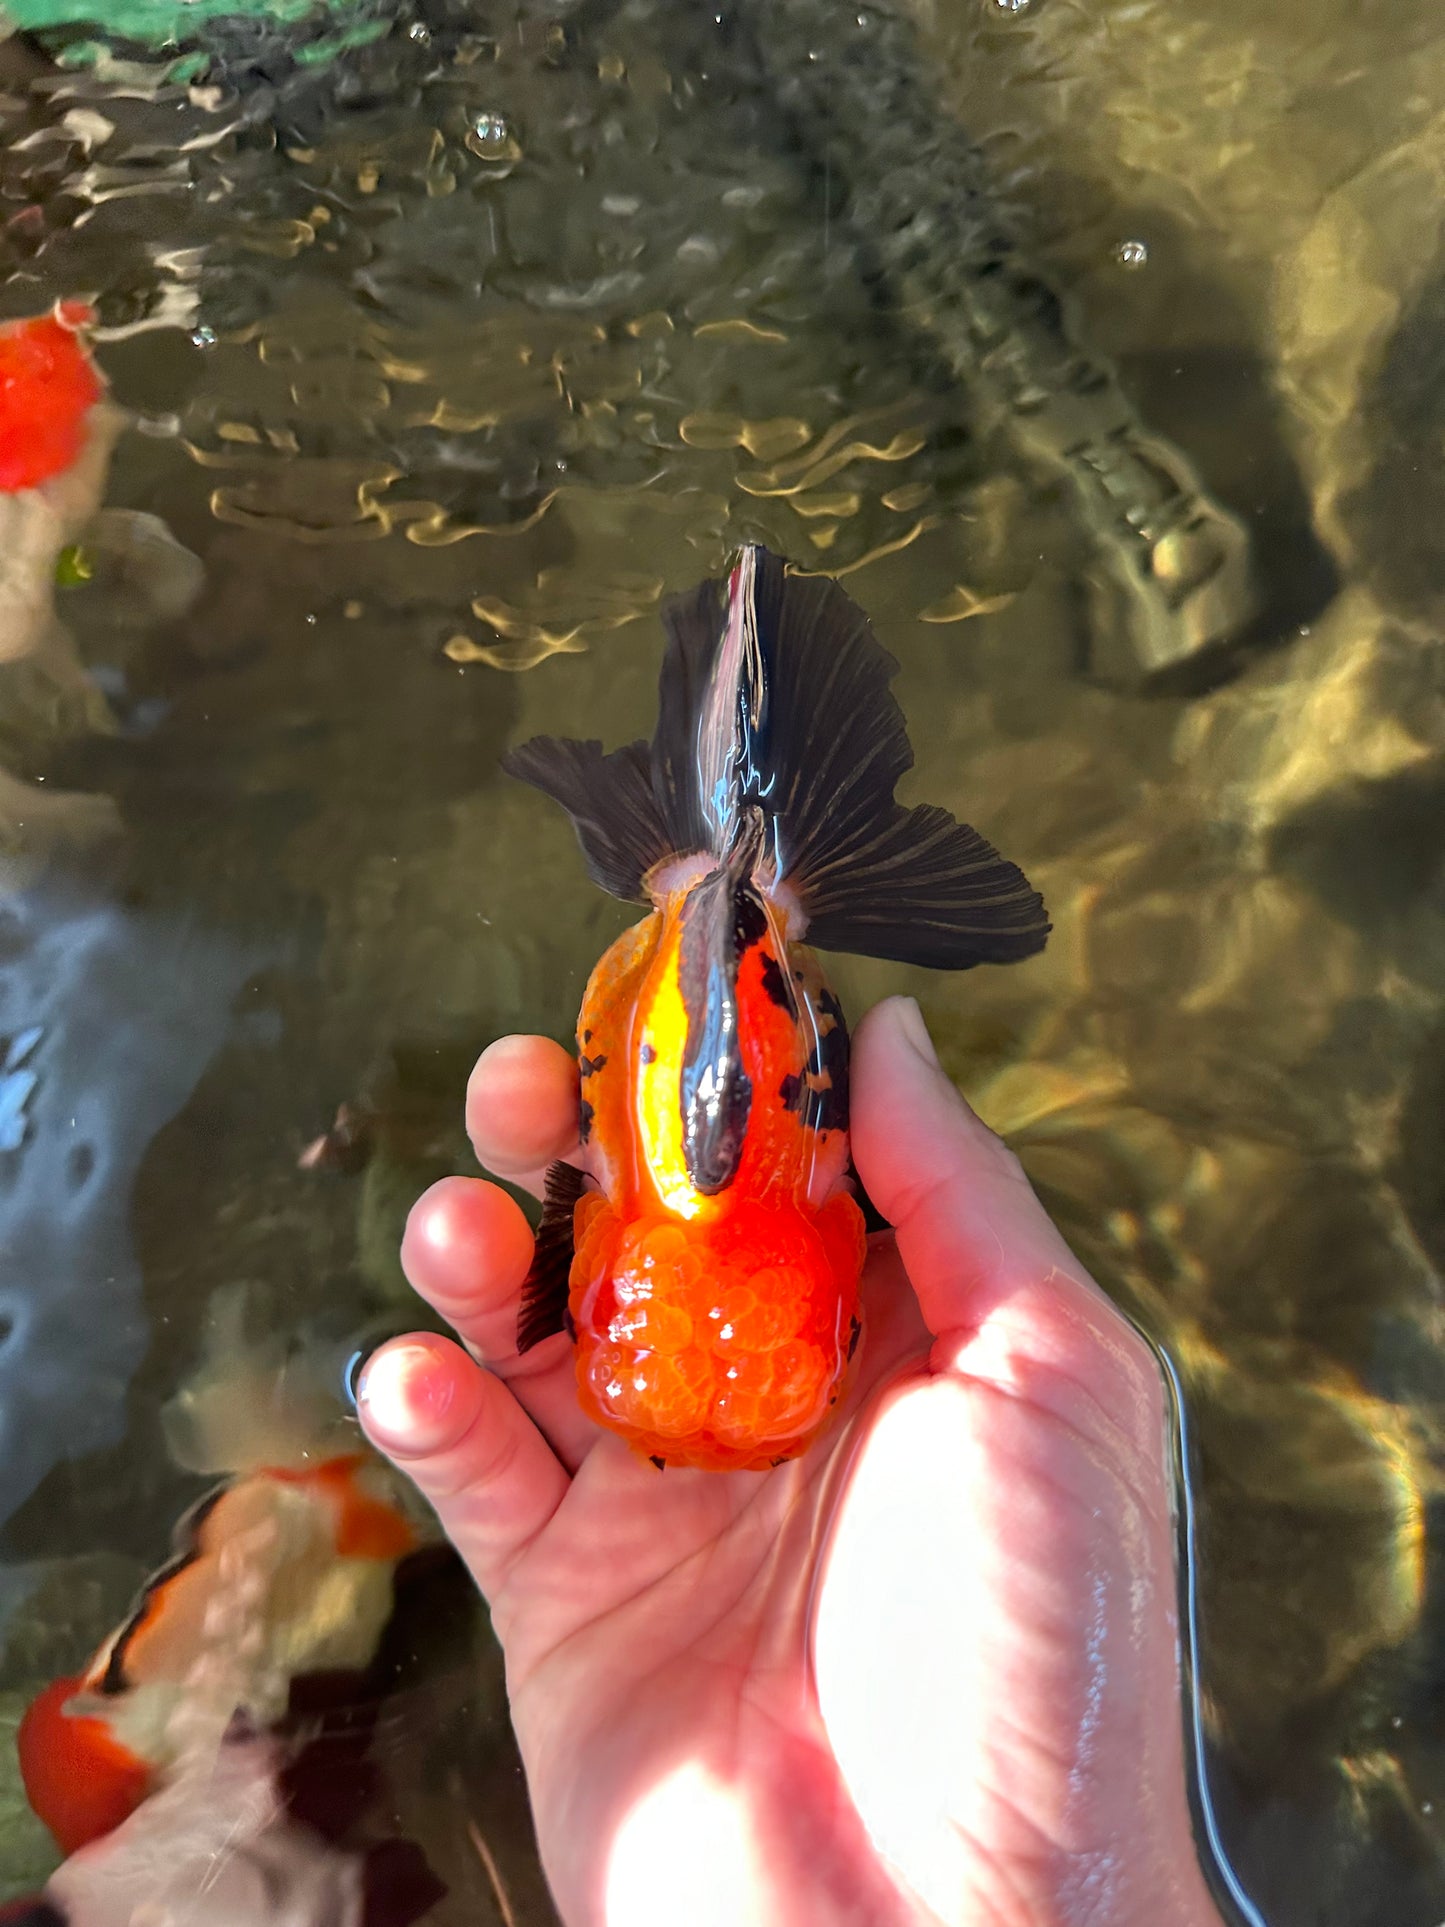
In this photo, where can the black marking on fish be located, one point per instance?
(750, 919)
(826, 1070)
(586, 1037)
(585, 1115)
(873, 1218)
(661, 1464)
(855, 1332)
(589, 1066)
(647, 1055)
(542, 1312)
(186, 1544)
(775, 983)
(790, 1092)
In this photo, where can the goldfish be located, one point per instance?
(222, 1844)
(707, 1259)
(284, 1571)
(48, 386)
(279, 1574)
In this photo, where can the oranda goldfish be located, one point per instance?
(708, 1263)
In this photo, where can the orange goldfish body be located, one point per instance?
(709, 1269)
(47, 387)
(278, 1574)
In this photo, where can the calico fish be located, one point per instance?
(279, 1574)
(707, 1263)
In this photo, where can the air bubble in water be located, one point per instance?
(1012, 6)
(203, 337)
(1132, 254)
(491, 138)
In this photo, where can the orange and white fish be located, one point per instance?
(280, 1574)
(710, 1271)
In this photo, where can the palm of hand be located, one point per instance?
(657, 1661)
(917, 1674)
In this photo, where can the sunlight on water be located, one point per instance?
(1101, 358)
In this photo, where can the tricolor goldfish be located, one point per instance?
(285, 1571)
(709, 1269)
(282, 1573)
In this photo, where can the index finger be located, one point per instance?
(522, 1108)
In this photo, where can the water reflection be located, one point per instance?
(109, 1018)
(448, 359)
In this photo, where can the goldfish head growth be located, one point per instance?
(48, 385)
(721, 1344)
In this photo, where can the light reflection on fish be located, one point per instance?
(711, 1276)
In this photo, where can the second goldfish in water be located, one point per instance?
(707, 1260)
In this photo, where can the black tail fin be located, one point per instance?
(775, 702)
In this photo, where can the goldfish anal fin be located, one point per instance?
(610, 800)
(543, 1310)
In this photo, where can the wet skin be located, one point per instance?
(925, 1673)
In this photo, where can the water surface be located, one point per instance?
(448, 358)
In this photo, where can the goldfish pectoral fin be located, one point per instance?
(919, 887)
(543, 1310)
(610, 802)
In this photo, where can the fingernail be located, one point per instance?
(413, 1397)
(354, 1368)
(915, 1031)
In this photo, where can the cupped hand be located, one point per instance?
(927, 1672)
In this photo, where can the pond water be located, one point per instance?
(1101, 349)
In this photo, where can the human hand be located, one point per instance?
(926, 1672)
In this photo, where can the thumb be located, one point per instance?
(1000, 1290)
